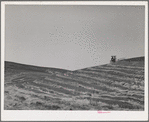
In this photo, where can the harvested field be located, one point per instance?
(118, 86)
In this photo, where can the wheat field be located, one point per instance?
(114, 86)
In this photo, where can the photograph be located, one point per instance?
(76, 57)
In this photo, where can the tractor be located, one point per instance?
(113, 59)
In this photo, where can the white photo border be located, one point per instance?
(37, 115)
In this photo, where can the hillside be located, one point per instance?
(116, 86)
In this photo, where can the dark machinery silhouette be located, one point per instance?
(113, 59)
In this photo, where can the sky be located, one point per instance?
(73, 36)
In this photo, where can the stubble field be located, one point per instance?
(117, 86)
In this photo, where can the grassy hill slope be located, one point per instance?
(117, 86)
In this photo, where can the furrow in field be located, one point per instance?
(102, 85)
(115, 72)
(77, 88)
(128, 67)
(121, 104)
(87, 87)
(112, 72)
(111, 77)
(97, 81)
(32, 85)
(137, 79)
(125, 70)
(75, 81)
(31, 81)
(113, 82)
(48, 86)
(116, 90)
(111, 103)
(48, 93)
(115, 85)
(123, 98)
(72, 84)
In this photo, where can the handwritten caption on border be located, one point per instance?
(103, 112)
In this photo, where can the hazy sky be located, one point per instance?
(73, 37)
